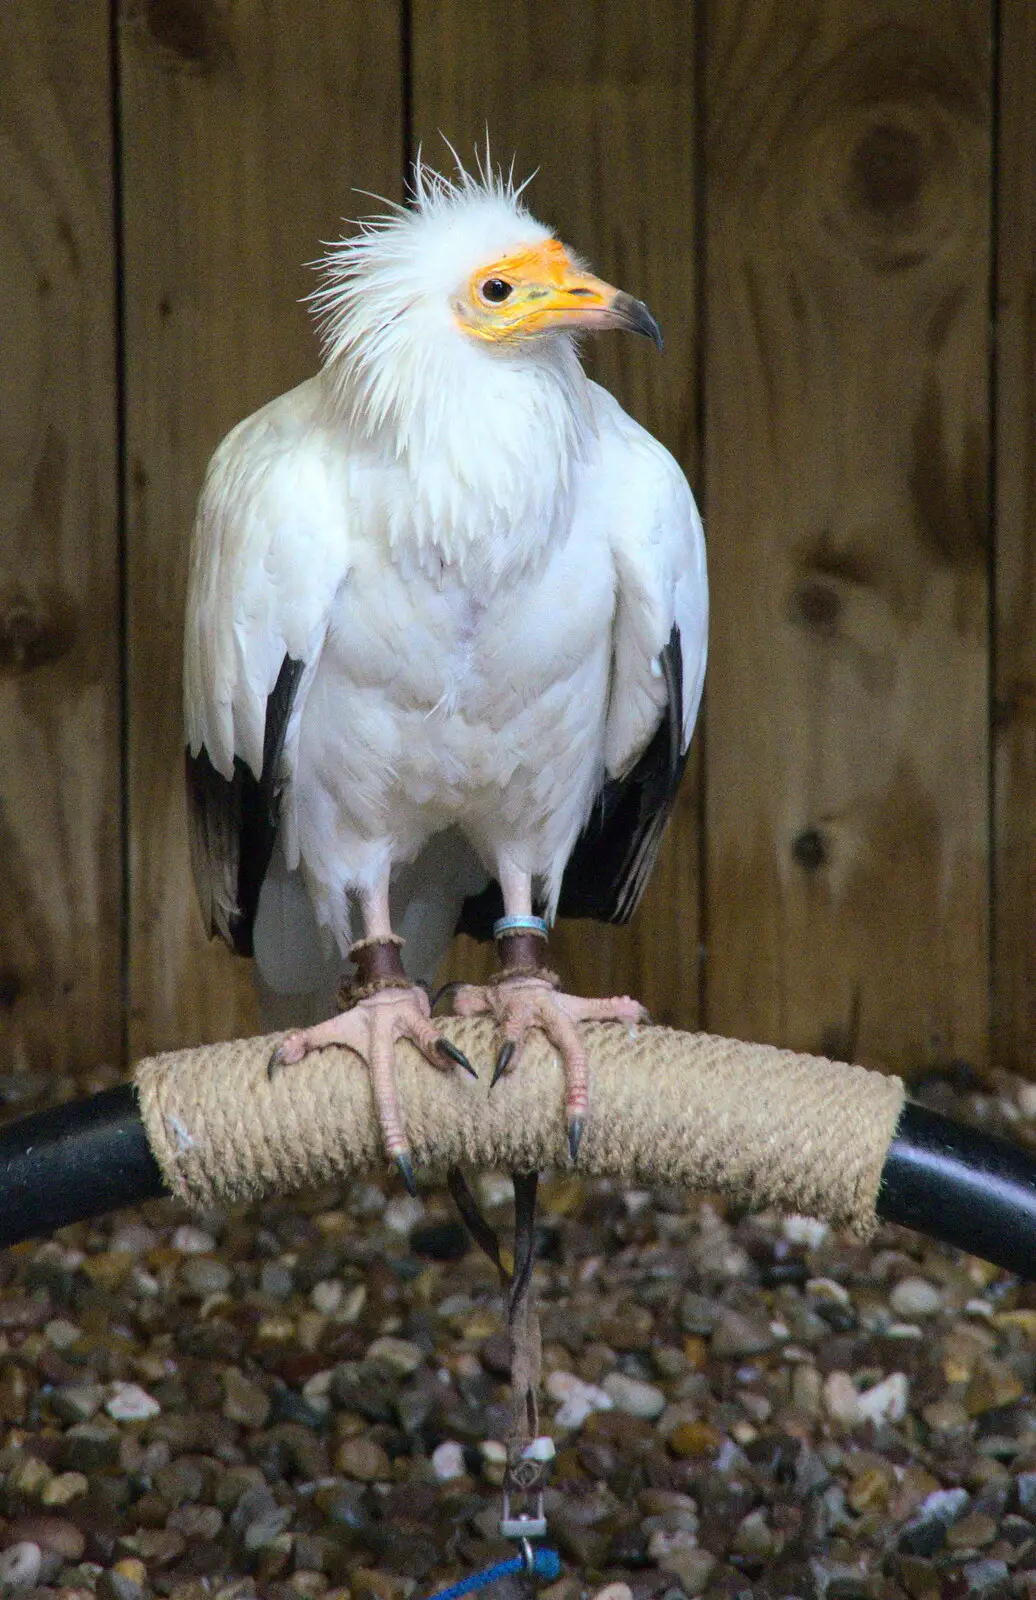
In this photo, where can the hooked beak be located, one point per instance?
(580, 301)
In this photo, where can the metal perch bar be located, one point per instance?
(765, 1127)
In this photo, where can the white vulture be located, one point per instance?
(446, 633)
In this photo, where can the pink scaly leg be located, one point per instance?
(391, 1009)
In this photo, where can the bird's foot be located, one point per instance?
(371, 1029)
(523, 1001)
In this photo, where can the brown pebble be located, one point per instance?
(244, 1402)
(56, 1534)
(360, 1457)
(992, 1385)
(159, 1547)
(370, 1583)
(972, 1532)
(695, 1439)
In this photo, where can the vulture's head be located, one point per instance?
(461, 280)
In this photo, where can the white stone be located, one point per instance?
(805, 1230)
(448, 1460)
(578, 1399)
(62, 1334)
(632, 1395)
(128, 1402)
(841, 1402)
(403, 1213)
(20, 1566)
(192, 1241)
(886, 1401)
(915, 1297)
(327, 1295)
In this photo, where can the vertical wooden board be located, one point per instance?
(245, 129)
(60, 837)
(848, 164)
(1014, 944)
(601, 98)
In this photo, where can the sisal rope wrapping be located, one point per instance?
(765, 1127)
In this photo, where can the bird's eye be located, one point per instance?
(495, 290)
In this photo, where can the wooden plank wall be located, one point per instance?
(847, 380)
(806, 194)
(61, 848)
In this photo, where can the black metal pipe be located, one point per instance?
(963, 1187)
(950, 1182)
(74, 1161)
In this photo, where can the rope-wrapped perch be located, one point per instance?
(765, 1127)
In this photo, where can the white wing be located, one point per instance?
(269, 551)
(660, 641)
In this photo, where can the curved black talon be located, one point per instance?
(406, 1172)
(275, 1064)
(575, 1135)
(450, 1051)
(503, 1061)
(441, 993)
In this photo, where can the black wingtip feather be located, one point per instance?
(234, 822)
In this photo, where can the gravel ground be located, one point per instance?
(308, 1399)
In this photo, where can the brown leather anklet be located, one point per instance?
(379, 965)
(520, 955)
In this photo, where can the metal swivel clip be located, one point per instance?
(525, 1480)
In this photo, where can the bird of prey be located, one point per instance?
(445, 639)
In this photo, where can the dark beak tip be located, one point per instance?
(636, 316)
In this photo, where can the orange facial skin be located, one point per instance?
(528, 293)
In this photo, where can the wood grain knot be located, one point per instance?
(809, 849)
(190, 31)
(816, 605)
(886, 169)
(34, 632)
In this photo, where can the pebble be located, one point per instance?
(1025, 1486)
(578, 1399)
(20, 1565)
(982, 1577)
(76, 1402)
(633, 1396)
(63, 1488)
(243, 1401)
(401, 1356)
(736, 1334)
(885, 1401)
(448, 1461)
(55, 1534)
(204, 1275)
(972, 1532)
(362, 1458)
(692, 1567)
(192, 1241)
(128, 1402)
(915, 1297)
(808, 1231)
